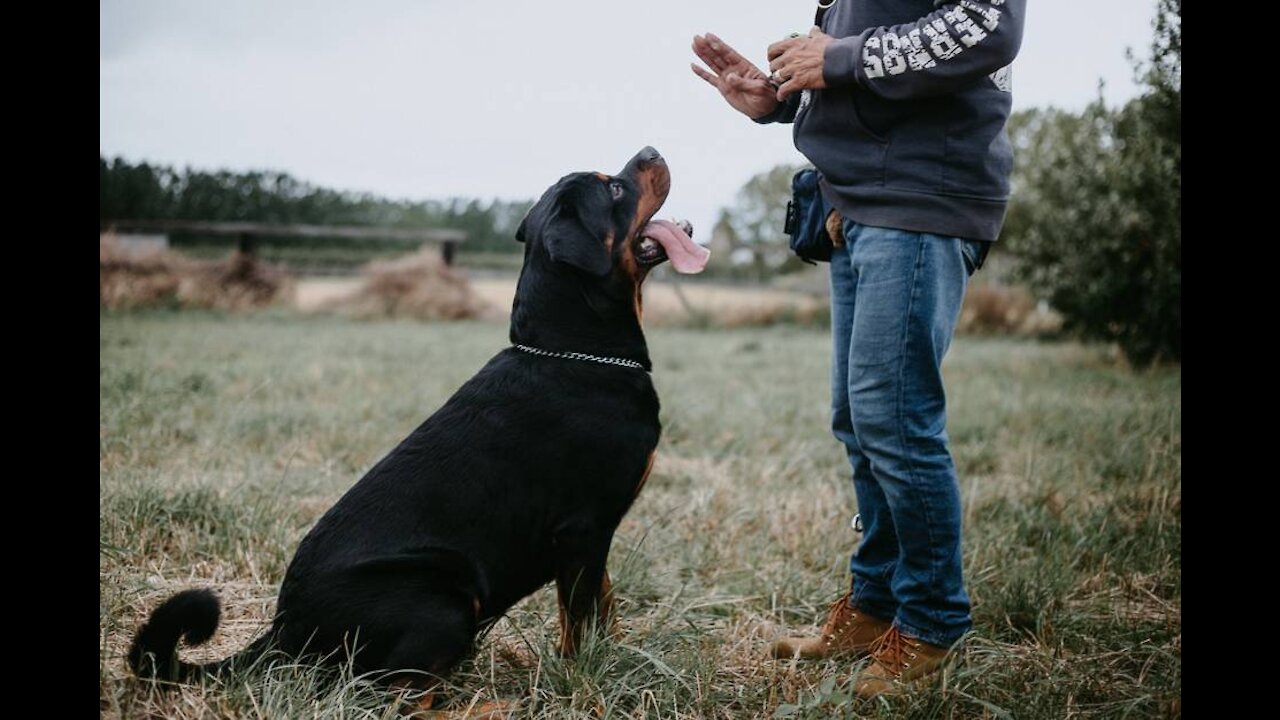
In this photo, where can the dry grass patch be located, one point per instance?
(418, 286)
(129, 279)
(222, 440)
(1007, 310)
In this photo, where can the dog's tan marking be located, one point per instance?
(419, 707)
(568, 645)
(605, 616)
(571, 632)
(634, 272)
(655, 183)
(648, 468)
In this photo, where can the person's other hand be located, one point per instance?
(743, 85)
(797, 62)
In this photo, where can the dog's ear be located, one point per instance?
(579, 227)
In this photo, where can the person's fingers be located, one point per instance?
(787, 88)
(815, 31)
(702, 48)
(725, 51)
(706, 51)
(721, 56)
(709, 77)
(780, 47)
(720, 45)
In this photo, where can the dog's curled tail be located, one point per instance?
(191, 615)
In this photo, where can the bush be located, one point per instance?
(1096, 217)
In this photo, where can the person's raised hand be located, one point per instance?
(744, 86)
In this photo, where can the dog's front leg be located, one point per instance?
(582, 583)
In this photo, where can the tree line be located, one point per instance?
(145, 191)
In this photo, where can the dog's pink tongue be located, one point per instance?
(685, 255)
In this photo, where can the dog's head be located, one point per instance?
(602, 225)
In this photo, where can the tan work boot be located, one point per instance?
(897, 659)
(848, 631)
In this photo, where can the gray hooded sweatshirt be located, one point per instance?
(910, 131)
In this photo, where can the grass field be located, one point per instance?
(222, 439)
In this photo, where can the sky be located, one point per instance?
(426, 99)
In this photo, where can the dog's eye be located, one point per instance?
(616, 189)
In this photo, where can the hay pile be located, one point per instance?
(418, 286)
(1005, 310)
(134, 279)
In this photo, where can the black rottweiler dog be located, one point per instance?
(519, 479)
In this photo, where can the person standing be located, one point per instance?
(901, 105)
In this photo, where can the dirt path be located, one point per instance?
(727, 304)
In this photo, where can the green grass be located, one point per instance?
(222, 439)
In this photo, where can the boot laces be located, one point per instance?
(840, 616)
(895, 652)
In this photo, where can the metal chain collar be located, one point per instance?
(581, 356)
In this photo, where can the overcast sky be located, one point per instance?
(427, 98)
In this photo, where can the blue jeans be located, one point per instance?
(895, 299)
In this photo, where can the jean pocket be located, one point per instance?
(975, 254)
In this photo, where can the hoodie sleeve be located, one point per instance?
(784, 113)
(936, 55)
